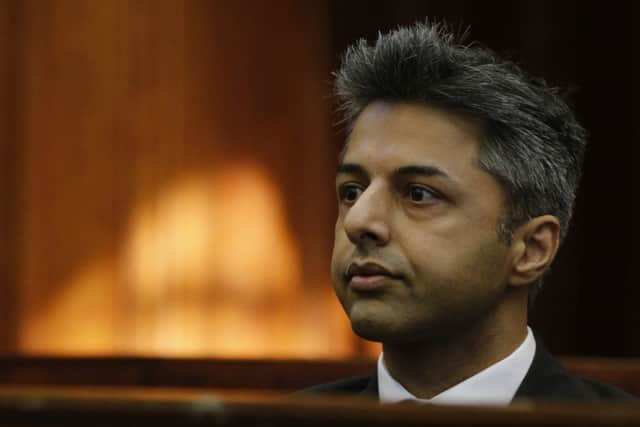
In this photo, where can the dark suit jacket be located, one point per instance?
(545, 380)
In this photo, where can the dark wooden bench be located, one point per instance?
(70, 407)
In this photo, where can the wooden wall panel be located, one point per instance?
(177, 183)
(10, 62)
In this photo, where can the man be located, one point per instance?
(455, 190)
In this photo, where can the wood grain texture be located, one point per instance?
(10, 169)
(125, 406)
(169, 153)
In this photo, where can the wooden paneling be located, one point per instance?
(10, 166)
(175, 184)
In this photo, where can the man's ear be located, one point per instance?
(534, 246)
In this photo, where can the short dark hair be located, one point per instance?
(533, 144)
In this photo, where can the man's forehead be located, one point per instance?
(392, 129)
(385, 113)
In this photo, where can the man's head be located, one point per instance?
(455, 187)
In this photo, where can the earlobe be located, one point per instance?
(534, 247)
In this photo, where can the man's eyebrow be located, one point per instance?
(411, 170)
(351, 168)
(424, 170)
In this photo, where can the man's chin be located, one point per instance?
(380, 323)
(371, 325)
(388, 333)
(368, 331)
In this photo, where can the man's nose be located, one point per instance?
(367, 221)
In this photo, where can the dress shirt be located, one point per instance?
(495, 385)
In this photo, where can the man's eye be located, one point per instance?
(350, 193)
(420, 194)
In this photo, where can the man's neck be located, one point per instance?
(428, 368)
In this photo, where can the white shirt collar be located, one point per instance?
(495, 385)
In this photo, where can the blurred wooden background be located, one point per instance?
(166, 172)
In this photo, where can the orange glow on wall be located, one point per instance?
(214, 256)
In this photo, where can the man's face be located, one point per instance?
(417, 253)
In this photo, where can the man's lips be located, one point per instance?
(368, 283)
(369, 276)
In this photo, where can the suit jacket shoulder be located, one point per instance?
(548, 380)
